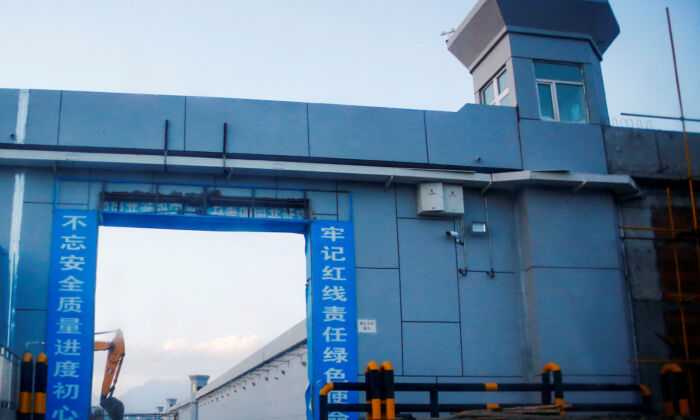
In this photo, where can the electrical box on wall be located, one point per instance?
(454, 200)
(430, 198)
(437, 199)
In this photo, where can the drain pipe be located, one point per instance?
(491, 273)
(463, 270)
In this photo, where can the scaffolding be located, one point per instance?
(681, 242)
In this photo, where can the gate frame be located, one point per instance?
(221, 224)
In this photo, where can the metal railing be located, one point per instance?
(379, 388)
(9, 381)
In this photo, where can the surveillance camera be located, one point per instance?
(452, 234)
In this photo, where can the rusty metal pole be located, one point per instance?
(690, 186)
(680, 292)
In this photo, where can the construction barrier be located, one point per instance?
(379, 388)
(674, 388)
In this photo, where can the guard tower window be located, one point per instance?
(497, 91)
(561, 92)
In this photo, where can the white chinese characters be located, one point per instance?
(69, 339)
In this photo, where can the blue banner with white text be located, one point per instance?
(70, 318)
(334, 323)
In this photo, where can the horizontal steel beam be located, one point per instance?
(620, 184)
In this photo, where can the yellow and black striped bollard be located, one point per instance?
(40, 376)
(24, 412)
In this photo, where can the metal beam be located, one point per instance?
(621, 184)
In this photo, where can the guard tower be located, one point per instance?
(543, 56)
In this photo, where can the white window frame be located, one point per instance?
(498, 97)
(553, 92)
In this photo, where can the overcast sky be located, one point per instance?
(360, 52)
(193, 302)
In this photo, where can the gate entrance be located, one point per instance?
(191, 302)
(330, 294)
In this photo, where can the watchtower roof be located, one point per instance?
(489, 20)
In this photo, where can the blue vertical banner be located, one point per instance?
(334, 311)
(71, 312)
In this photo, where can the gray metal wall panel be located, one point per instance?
(551, 145)
(30, 325)
(34, 251)
(257, 127)
(73, 192)
(7, 188)
(491, 313)
(571, 230)
(406, 204)
(428, 271)
(552, 49)
(39, 185)
(8, 114)
(477, 135)
(378, 298)
(526, 88)
(355, 132)
(374, 216)
(595, 94)
(323, 202)
(431, 348)
(4, 293)
(581, 321)
(42, 119)
(121, 120)
(501, 228)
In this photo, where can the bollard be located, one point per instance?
(646, 398)
(374, 390)
(40, 376)
(669, 387)
(675, 390)
(323, 400)
(558, 389)
(24, 412)
(386, 371)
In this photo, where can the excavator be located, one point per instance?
(115, 358)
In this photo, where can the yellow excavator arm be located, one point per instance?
(115, 358)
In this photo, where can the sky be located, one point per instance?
(376, 53)
(193, 302)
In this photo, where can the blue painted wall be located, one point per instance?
(8, 114)
(573, 282)
(475, 136)
(120, 120)
(553, 252)
(4, 293)
(253, 127)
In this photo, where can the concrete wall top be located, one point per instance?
(650, 153)
(284, 342)
(256, 128)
